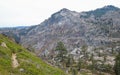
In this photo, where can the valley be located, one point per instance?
(79, 43)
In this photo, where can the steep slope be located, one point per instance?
(75, 30)
(16, 60)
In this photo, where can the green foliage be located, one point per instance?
(61, 53)
(84, 50)
(74, 71)
(28, 62)
(79, 65)
(70, 61)
(61, 49)
(117, 65)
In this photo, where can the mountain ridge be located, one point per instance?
(101, 11)
(88, 36)
(72, 28)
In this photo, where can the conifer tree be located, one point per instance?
(117, 65)
(61, 53)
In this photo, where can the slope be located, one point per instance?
(27, 63)
(74, 30)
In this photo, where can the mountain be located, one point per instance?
(98, 27)
(101, 11)
(16, 60)
(96, 32)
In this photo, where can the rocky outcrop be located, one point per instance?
(3, 44)
(93, 28)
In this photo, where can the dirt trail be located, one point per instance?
(14, 61)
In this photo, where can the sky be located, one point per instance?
(32, 12)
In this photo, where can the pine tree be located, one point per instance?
(74, 71)
(84, 50)
(70, 61)
(61, 53)
(79, 64)
(117, 65)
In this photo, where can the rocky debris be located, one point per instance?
(3, 44)
(21, 70)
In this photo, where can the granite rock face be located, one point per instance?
(99, 27)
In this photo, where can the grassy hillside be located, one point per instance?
(29, 64)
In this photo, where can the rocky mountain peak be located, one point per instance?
(101, 11)
(64, 10)
(110, 7)
(62, 15)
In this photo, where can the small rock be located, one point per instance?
(21, 70)
(3, 44)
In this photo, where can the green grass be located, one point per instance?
(28, 62)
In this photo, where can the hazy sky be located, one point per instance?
(32, 12)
